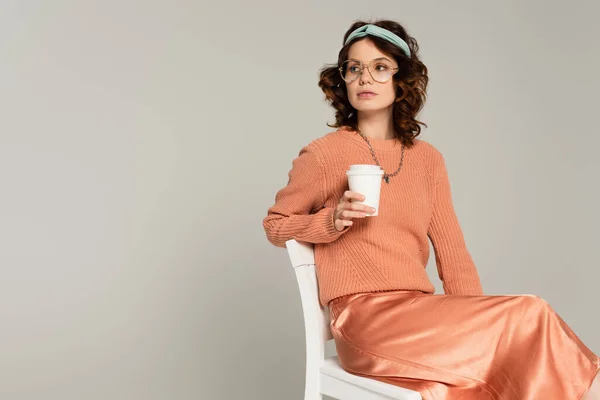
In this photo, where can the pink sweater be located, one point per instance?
(386, 252)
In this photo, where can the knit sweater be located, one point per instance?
(389, 251)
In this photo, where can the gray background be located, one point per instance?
(141, 144)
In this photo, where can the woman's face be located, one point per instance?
(384, 93)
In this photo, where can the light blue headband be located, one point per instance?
(375, 30)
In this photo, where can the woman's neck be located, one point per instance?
(377, 125)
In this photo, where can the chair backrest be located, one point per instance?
(316, 318)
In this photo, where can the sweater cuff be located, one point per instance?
(327, 220)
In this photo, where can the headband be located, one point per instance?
(378, 31)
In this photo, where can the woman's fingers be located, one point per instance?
(360, 207)
(355, 207)
(340, 224)
(353, 214)
(346, 209)
(349, 195)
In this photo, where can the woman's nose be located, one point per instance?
(365, 76)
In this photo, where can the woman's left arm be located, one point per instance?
(454, 263)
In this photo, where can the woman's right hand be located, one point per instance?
(346, 210)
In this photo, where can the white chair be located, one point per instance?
(325, 376)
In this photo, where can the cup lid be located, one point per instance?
(369, 171)
(364, 167)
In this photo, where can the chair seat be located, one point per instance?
(325, 376)
(332, 368)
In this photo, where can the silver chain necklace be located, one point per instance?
(386, 177)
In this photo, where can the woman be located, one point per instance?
(386, 322)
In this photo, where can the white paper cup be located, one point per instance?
(366, 180)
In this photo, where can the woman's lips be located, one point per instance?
(366, 95)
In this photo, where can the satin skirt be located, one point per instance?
(462, 347)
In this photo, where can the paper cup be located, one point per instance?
(366, 180)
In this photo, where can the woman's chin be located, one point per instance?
(369, 108)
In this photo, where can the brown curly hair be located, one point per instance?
(411, 83)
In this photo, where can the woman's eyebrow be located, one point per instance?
(375, 59)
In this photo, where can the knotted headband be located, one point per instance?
(383, 33)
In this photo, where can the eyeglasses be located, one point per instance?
(380, 70)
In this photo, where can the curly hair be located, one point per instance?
(410, 80)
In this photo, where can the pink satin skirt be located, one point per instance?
(462, 347)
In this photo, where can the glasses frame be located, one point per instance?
(362, 70)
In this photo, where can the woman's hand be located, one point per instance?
(346, 210)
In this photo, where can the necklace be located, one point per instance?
(386, 177)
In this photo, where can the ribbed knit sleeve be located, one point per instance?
(299, 211)
(454, 263)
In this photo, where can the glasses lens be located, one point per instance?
(350, 70)
(381, 70)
